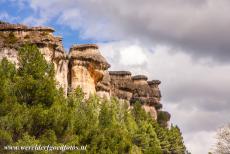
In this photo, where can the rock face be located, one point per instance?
(87, 68)
(121, 84)
(103, 86)
(142, 93)
(155, 93)
(136, 89)
(14, 36)
(84, 66)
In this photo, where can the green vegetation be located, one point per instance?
(10, 39)
(34, 112)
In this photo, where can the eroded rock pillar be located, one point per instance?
(86, 68)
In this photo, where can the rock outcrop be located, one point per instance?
(84, 66)
(103, 86)
(142, 93)
(14, 36)
(155, 94)
(121, 84)
(87, 67)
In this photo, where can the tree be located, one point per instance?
(35, 80)
(146, 136)
(176, 140)
(223, 140)
(7, 75)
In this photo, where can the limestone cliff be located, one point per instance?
(84, 66)
(13, 36)
(121, 84)
(87, 67)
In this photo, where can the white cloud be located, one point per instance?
(34, 21)
(199, 26)
(132, 55)
(68, 16)
(201, 142)
(7, 17)
(4, 15)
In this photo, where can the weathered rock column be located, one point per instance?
(103, 87)
(155, 94)
(86, 67)
(141, 93)
(60, 62)
(121, 84)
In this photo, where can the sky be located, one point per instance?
(183, 43)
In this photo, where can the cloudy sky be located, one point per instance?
(183, 43)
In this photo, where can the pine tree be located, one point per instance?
(145, 137)
(176, 141)
(162, 135)
(35, 81)
(7, 75)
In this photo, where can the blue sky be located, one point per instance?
(15, 12)
(185, 44)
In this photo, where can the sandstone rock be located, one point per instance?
(121, 84)
(140, 78)
(155, 94)
(141, 87)
(103, 86)
(4, 26)
(86, 67)
(143, 93)
(10, 54)
(14, 36)
(151, 110)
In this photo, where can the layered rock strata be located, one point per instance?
(14, 36)
(103, 86)
(121, 84)
(155, 94)
(142, 93)
(84, 66)
(87, 68)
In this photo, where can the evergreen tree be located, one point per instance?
(7, 75)
(162, 135)
(176, 141)
(146, 137)
(35, 80)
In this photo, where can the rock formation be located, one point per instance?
(121, 84)
(84, 66)
(103, 86)
(13, 36)
(87, 67)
